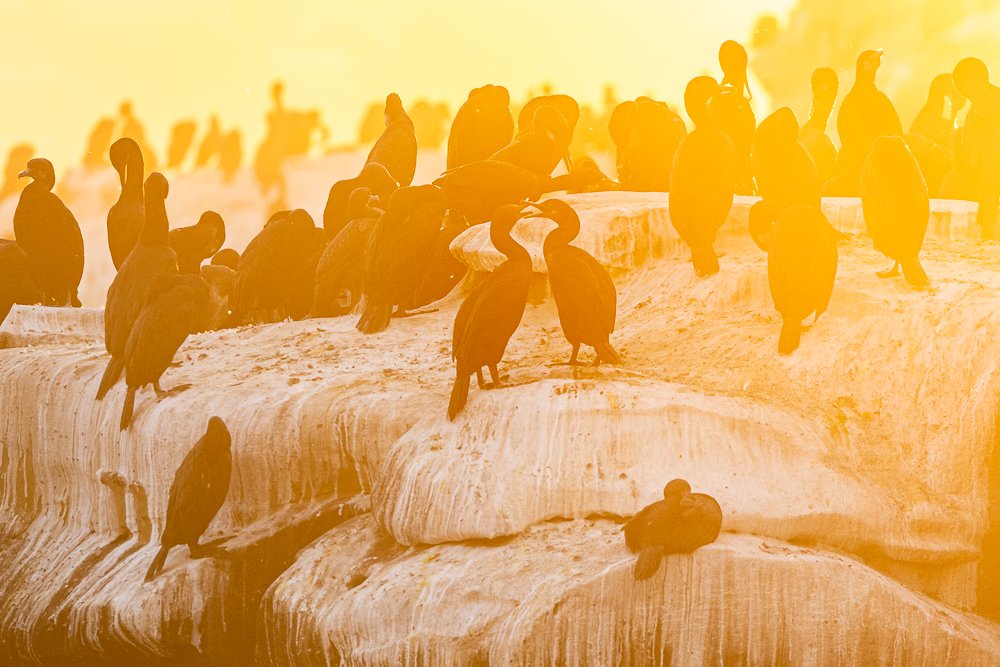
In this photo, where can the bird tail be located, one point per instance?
(647, 564)
(127, 409)
(608, 354)
(157, 565)
(111, 375)
(914, 272)
(705, 261)
(791, 334)
(75, 300)
(459, 394)
(375, 317)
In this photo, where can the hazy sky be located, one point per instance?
(68, 62)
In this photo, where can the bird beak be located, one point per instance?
(537, 213)
(567, 161)
(26, 172)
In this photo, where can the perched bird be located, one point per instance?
(177, 307)
(47, 231)
(396, 149)
(977, 159)
(196, 243)
(865, 114)
(373, 176)
(801, 268)
(482, 126)
(703, 178)
(733, 112)
(539, 149)
(896, 207)
(584, 292)
(566, 105)
(221, 281)
(491, 313)
(340, 270)
(274, 268)
(226, 257)
(16, 285)
(126, 216)
(680, 523)
(931, 121)
(646, 134)
(181, 138)
(399, 252)
(197, 493)
(129, 291)
(479, 188)
(824, 84)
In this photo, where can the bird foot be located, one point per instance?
(165, 393)
(889, 273)
(403, 313)
(571, 362)
(498, 384)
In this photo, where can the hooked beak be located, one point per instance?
(567, 161)
(26, 172)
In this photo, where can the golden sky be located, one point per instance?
(69, 62)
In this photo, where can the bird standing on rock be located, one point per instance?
(824, 85)
(482, 126)
(646, 134)
(49, 234)
(197, 493)
(127, 216)
(373, 176)
(396, 149)
(477, 189)
(584, 292)
(680, 523)
(539, 149)
(491, 313)
(16, 285)
(733, 112)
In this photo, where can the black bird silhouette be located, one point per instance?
(396, 149)
(47, 231)
(824, 85)
(16, 285)
(733, 112)
(198, 492)
(445, 270)
(539, 149)
(491, 313)
(340, 270)
(584, 292)
(479, 188)
(274, 266)
(373, 176)
(647, 134)
(680, 523)
(801, 269)
(566, 105)
(931, 121)
(482, 126)
(126, 216)
(226, 257)
(130, 289)
(978, 150)
(178, 306)
(896, 207)
(703, 178)
(196, 243)
(399, 252)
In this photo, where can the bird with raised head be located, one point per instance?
(396, 149)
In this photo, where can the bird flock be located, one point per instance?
(383, 247)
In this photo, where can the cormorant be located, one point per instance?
(130, 288)
(396, 149)
(16, 285)
(680, 523)
(539, 149)
(896, 207)
(646, 134)
(703, 178)
(479, 188)
(824, 84)
(181, 138)
(196, 243)
(733, 112)
(482, 126)
(566, 105)
(444, 270)
(373, 176)
(491, 313)
(584, 292)
(47, 231)
(226, 257)
(978, 151)
(931, 121)
(126, 216)
(197, 494)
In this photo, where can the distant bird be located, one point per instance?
(196, 243)
(126, 216)
(733, 112)
(130, 289)
(226, 257)
(16, 285)
(565, 104)
(399, 252)
(812, 134)
(703, 178)
(865, 114)
(647, 134)
(373, 176)
(680, 523)
(198, 492)
(177, 307)
(896, 207)
(270, 271)
(482, 126)
(181, 138)
(584, 292)
(541, 148)
(801, 268)
(340, 270)
(491, 313)
(47, 231)
(396, 149)
(478, 189)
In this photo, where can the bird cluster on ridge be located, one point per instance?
(383, 246)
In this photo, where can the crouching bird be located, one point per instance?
(584, 292)
(178, 306)
(678, 524)
(197, 493)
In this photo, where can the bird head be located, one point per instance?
(824, 84)
(698, 92)
(41, 171)
(733, 60)
(555, 210)
(214, 222)
(971, 77)
(868, 64)
(505, 217)
(676, 489)
(120, 152)
(393, 108)
(218, 433)
(156, 186)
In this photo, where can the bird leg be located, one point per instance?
(479, 377)
(573, 361)
(889, 273)
(403, 313)
(197, 550)
(497, 378)
(161, 394)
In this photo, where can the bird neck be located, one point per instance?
(39, 186)
(563, 234)
(819, 113)
(505, 243)
(134, 168)
(935, 104)
(156, 228)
